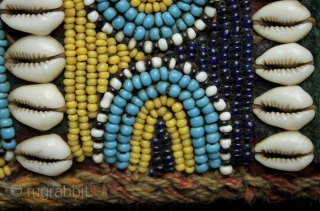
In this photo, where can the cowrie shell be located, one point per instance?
(289, 150)
(33, 153)
(292, 104)
(33, 58)
(285, 20)
(39, 19)
(35, 105)
(290, 62)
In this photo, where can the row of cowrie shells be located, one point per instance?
(46, 61)
(295, 65)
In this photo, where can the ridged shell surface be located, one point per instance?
(30, 5)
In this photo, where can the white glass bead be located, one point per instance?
(119, 36)
(200, 25)
(97, 133)
(98, 145)
(156, 62)
(177, 39)
(163, 45)
(116, 83)
(220, 105)
(201, 77)
(107, 28)
(225, 116)
(141, 66)
(226, 128)
(93, 16)
(102, 117)
(191, 34)
(226, 156)
(211, 90)
(9, 155)
(132, 44)
(127, 73)
(172, 63)
(187, 68)
(88, 2)
(148, 47)
(106, 100)
(210, 11)
(225, 143)
(97, 158)
(225, 170)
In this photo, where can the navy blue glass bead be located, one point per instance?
(247, 147)
(247, 132)
(225, 57)
(161, 133)
(249, 125)
(247, 157)
(226, 25)
(236, 124)
(237, 147)
(237, 73)
(180, 50)
(160, 124)
(237, 88)
(235, 17)
(239, 81)
(224, 64)
(166, 140)
(235, 112)
(235, 56)
(213, 43)
(222, 11)
(245, 3)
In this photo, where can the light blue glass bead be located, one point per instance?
(194, 112)
(3, 95)
(187, 1)
(110, 160)
(7, 122)
(128, 85)
(1, 60)
(122, 165)
(193, 85)
(207, 109)
(2, 69)
(123, 139)
(196, 121)
(148, 22)
(197, 132)
(131, 14)
(200, 2)
(3, 103)
(155, 75)
(175, 76)
(199, 93)
(147, 35)
(110, 152)
(2, 51)
(145, 79)
(116, 110)
(198, 142)
(201, 168)
(7, 133)
(215, 163)
(132, 109)
(118, 22)
(212, 148)
(109, 136)
(126, 130)
(203, 102)
(152, 92)
(181, 25)
(213, 138)
(189, 104)
(162, 87)
(110, 144)
(168, 19)
(123, 147)
(123, 157)
(174, 11)
(183, 6)
(3, 78)
(184, 95)
(200, 150)
(175, 29)
(201, 159)
(185, 80)
(212, 128)
(4, 113)
(174, 90)
(110, 13)
(122, 6)
(125, 94)
(3, 43)
(137, 82)
(129, 120)
(142, 94)
(214, 156)
(103, 6)
(114, 119)
(188, 19)
(154, 34)
(4, 87)
(164, 73)
(158, 19)
(211, 118)
(139, 19)
(9, 146)
(166, 31)
(195, 10)
(119, 101)
(99, 1)
(112, 128)
(129, 28)
(136, 101)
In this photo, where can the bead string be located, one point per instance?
(7, 132)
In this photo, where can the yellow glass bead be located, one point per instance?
(102, 50)
(179, 161)
(139, 120)
(182, 123)
(87, 143)
(102, 67)
(177, 154)
(7, 170)
(80, 28)
(149, 128)
(135, 155)
(102, 89)
(157, 103)
(80, 92)
(91, 46)
(72, 137)
(103, 58)
(92, 40)
(156, 7)
(68, 26)
(82, 105)
(170, 102)
(88, 154)
(113, 69)
(136, 139)
(145, 150)
(82, 58)
(91, 82)
(145, 158)
(162, 111)
(189, 169)
(92, 107)
(70, 53)
(143, 164)
(137, 132)
(171, 123)
(91, 26)
(75, 148)
(86, 135)
(87, 149)
(70, 68)
(124, 54)
(91, 90)
(112, 50)
(68, 4)
(188, 150)
(142, 169)
(125, 59)
(90, 32)
(81, 112)
(144, 109)
(154, 114)
(101, 36)
(134, 160)
(139, 56)
(80, 158)
(71, 60)
(74, 131)
(133, 53)
(177, 107)
(79, 5)
(141, 115)
(72, 124)
(185, 136)
(146, 135)
(167, 2)
(122, 47)
(145, 144)
(132, 167)
(175, 141)
(73, 117)
(141, 7)
(92, 54)
(138, 126)
(186, 142)
(135, 3)
(69, 89)
(188, 156)
(2, 175)
(167, 116)
(174, 135)
(190, 162)
(134, 142)
(69, 34)
(71, 111)
(92, 99)
(180, 115)
(69, 47)
(172, 129)
(149, 105)
(163, 100)
(184, 130)
(93, 114)
(68, 74)
(69, 20)
(180, 167)
(148, 8)
(84, 125)
(151, 121)
(2, 162)
(80, 36)
(123, 65)
(135, 149)
(82, 13)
